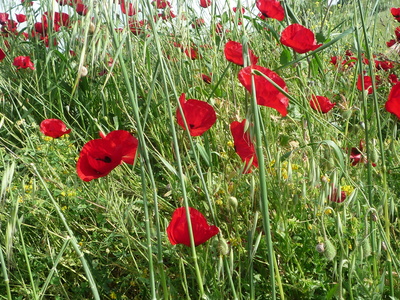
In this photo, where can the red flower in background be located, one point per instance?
(99, 157)
(178, 231)
(383, 65)
(243, 145)
(392, 105)
(321, 104)
(393, 78)
(54, 128)
(191, 53)
(161, 4)
(3, 18)
(266, 93)
(21, 18)
(199, 115)
(205, 3)
(23, 62)
(299, 38)
(395, 13)
(131, 10)
(234, 53)
(356, 155)
(271, 9)
(81, 9)
(206, 78)
(2, 54)
(335, 197)
(136, 27)
(367, 83)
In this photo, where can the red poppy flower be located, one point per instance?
(321, 104)
(125, 144)
(206, 78)
(2, 54)
(367, 83)
(199, 115)
(21, 18)
(395, 13)
(161, 4)
(23, 62)
(81, 9)
(198, 23)
(178, 231)
(97, 159)
(136, 27)
(392, 105)
(191, 53)
(393, 78)
(131, 10)
(243, 145)
(335, 197)
(4, 18)
(299, 38)
(266, 93)
(61, 19)
(54, 128)
(205, 3)
(234, 53)
(100, 156)
(271, 9)
(383, 65)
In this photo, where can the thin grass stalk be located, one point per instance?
(5, 275)
(28, 265)
(381, 147)
(74, 242)
(263, 187)
(54, 267)
(145, 163)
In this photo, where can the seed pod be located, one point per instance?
(233, 202)
(330, 250)
(320, 247)
(223, 247)
(366, 246)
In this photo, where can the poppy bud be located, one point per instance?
(83, 71)
(320, 248)
(330, 250)
(374, 217)
(233, 202)
(346, 114)
(384, 247)
(374, 156)
(366, 247)
(92, 28)
(223, 247)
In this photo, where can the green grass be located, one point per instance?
(62, 238)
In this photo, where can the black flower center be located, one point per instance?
(106, 159)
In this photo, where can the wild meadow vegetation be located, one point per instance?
(283, 150)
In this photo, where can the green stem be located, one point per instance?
(263, 187)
